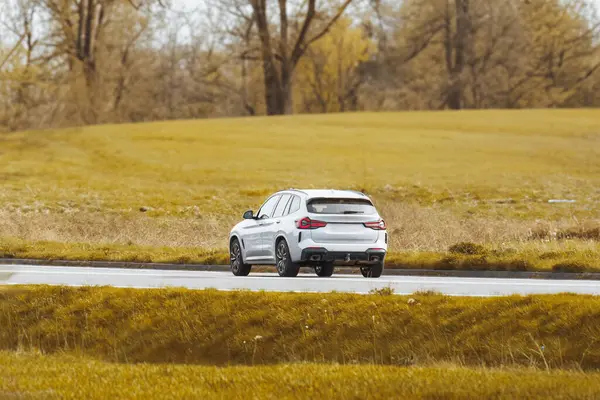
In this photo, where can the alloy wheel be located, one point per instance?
(282, 256)
(236, 257)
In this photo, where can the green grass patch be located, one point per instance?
(525, 259)
(36, 376)
(249, 328)
(46, 250)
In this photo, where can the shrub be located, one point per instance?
(386, 291)
(467, 248)
(585, 234)
(572, 266)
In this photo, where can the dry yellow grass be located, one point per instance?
(34, 376)
(439, 178)
(58, 342)
(221, 328)
(412, 228)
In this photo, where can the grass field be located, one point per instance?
(438, 178)
(564, 256)
(58, 342)
(249, 328)
(34, 376)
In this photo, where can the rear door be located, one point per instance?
(345, 220)
(272, 226)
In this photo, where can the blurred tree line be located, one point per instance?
(73, 62)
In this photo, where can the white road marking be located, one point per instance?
(140, 278)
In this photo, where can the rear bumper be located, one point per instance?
(316, 255)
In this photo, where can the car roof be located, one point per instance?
(329, 193)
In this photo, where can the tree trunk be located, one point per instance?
(461, 42)
(287, 105)
(273, 87)
(245, 98)
(273, 91)
(455, 96)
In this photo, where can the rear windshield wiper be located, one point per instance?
(354, 212)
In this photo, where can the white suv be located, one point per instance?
(314, 228)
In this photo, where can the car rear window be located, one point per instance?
(340, 206)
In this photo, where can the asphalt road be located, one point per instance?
(305, 282)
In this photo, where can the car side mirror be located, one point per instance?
(249, 215)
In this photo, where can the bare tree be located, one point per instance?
(28, 83)
(238, 23)
(457, 48)
(280, 54)
(83, 30)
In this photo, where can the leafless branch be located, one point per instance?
(10, 53)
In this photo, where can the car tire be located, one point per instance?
(372, 271)
(325, 270)
(283, 261)
(236, 261)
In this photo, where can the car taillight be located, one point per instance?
(376, 225)
(307, 223)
